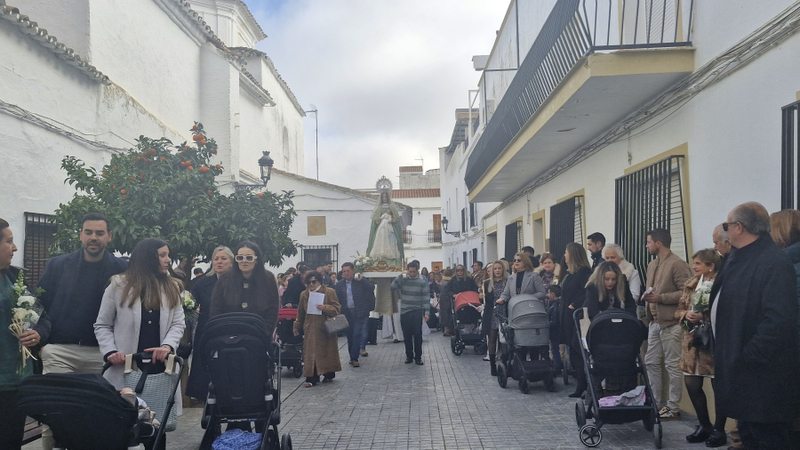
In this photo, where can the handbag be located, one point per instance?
(701, 336)
(155, 389)
(335, 324)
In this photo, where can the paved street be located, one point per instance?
(449, 403)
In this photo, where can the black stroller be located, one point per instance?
(291, 345)
(67, 402)
(468, 324)
(610, 348)
(244, 366)
(527, 332)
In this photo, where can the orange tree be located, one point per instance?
(158, 189)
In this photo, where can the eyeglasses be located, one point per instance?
(517, 260)
(313, 282)
(248, 258)
(725, 225)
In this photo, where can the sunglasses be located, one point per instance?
(725, 225)
(313, 282)
(517, 260)
(248, 258)
(459, 270)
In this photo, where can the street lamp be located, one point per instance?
(265, 164)
(455, 234)
(316, 135)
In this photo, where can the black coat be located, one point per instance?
(594, 306)
(755, 353)
(292, 293)
(363, 296)
(573, 292)
(456, 286)
(197, 386)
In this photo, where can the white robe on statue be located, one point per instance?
(385, 246)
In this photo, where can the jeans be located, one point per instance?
(356, 332)
(554, 350)
(411, 322)
(764, 436)
(664, 345)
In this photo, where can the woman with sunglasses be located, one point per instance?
(247, 287)
(320, 350)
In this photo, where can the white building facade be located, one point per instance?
(422, 239)
(629, 123)
(87, 77)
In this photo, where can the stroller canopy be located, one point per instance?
(614, 339)
(464, 299)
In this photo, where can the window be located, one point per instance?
(473, 215)
(435, 235)
(463, 220)
(474, 255)
(319, 255)
(566, 224)
(406, 236)
(649, 198)
(464, 257)
(513, 239)
(39, 233)
(790, 162)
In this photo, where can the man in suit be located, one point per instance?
(357, 297)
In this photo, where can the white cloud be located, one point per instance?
(386, 76)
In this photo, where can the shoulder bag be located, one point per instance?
(335, 324)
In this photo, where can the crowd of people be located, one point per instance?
(730, 317)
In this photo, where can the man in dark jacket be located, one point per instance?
(357, 297)
(595, 243)
(462, 282)
(754, 317)
(73, 289)
(291, 296)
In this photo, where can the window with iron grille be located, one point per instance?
(320, 255)
(39, 233)
(513, 242)
(463, 220)
(566, 224)
(464, 258)
(650, 198)
(406, 236)
(790, 161)
(473, 215)
(474, 255)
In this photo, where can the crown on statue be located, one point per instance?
(384, 185)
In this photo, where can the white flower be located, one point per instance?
(26, 301)
(33, 317)
(20, 314)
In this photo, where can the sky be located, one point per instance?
(385, 75)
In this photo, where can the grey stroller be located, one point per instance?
(527, 332)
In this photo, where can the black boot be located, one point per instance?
(494, 366)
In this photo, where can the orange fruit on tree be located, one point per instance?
(152, 151)
(194, 128)
(260, 195)
(163, 158)
(123, 191)
(183, 163)
(197, 137)
(190, 168)
(218, 166)
(209, 192)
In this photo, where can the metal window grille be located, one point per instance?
(650, 198)
(434, 236)
(790, 161)
(511, 241)
(566, 224)
(407, 236)
(39, 231)
(463, 220)
(319, 255)
(520, 242)
(464, 258)
(474, 255)
(473, 215)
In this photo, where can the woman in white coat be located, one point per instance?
(141, 311)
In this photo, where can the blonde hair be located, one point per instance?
(785, 227)
(222, 249)
(708, 256)
(597, 279)
(577, 257)
(503, 277)
(526, 261)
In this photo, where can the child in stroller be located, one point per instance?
(467, 312)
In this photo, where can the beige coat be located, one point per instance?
(692, 358)
(320, 351)
(667, 277)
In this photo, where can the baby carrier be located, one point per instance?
(527, 332)
(244, 366)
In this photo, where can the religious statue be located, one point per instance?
(386, 231)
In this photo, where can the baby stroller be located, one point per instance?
(291, 345)
(68, 402)
(527, 332)
(468, 324)
(242, 362)
(610, 348)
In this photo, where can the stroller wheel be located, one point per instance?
(286, 442)
(649, 421)
(657, 434)
(591, 435)
(566, 375)
(524, 385)
(457, 345)
(502, 375)
(480, 348)
(297, 370)
(550, 382)
(580, 413)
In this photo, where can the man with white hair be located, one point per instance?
(614, 253)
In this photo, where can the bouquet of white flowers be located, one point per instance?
(701, 296)
(191, 309)
(362, 262)
(25, 311)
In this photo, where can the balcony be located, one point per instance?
(434, 236)
(592, 64)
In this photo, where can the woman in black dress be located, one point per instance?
(573, 294)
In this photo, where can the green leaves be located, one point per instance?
(158, 189)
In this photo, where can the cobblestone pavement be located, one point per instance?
(451, 402)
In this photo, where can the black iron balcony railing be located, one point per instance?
(434, 236)
(574, 30)
(406, 236)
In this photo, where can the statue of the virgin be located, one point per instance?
(386, 231)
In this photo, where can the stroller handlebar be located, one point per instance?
(141, 358)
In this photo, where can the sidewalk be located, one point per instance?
(451, 402)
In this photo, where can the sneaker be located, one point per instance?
(355, 364)
(363, 353)
(351, 363)
(667, 414)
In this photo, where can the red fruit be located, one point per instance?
(189, 168)
(105, 174)
(163, 158)
(202, 141)
(194, 128)
(204, 169)
(218, 166)
(260, 195)
(214, 151)
(209, 192)
(152, 151)
(138, 158)
(183, 163)
(123, 198)
(197, 137)
(123, 192)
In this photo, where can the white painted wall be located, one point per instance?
(419, 248)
